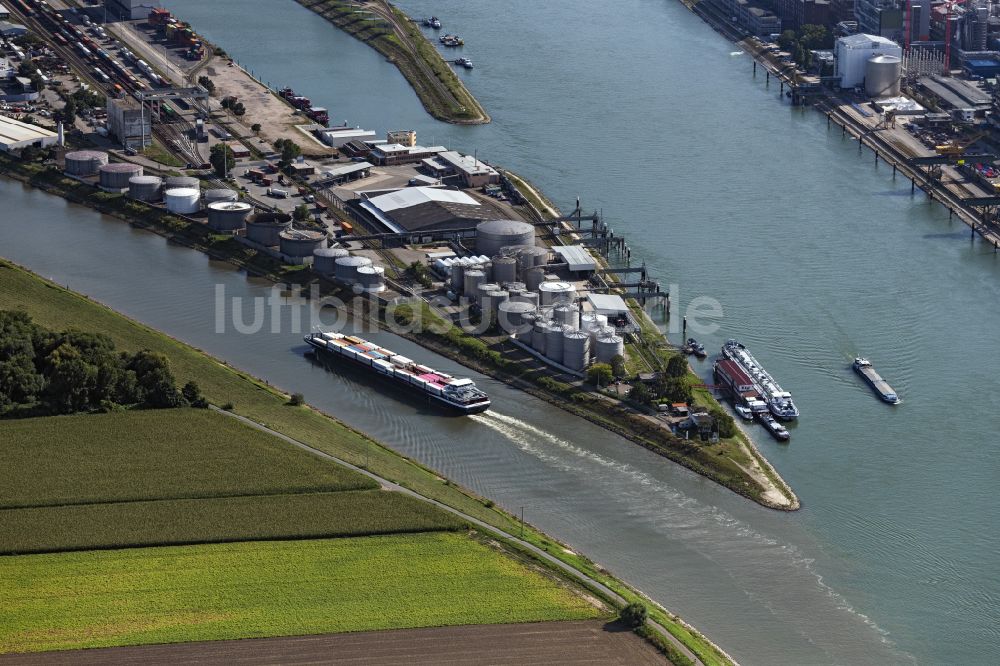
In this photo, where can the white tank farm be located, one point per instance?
(265, 228)
(228, 215)
(346, 268)
(566, 314)
(183, 181)
(221, 194)
(538, 335)
(504, 269)
(472, 279)
(554, 341)
(115, 176)
(145, 188)
(591, 320)
(183, 200)
(576, 349)
(371, 279)
(555, 291)
(300, 243)
(607, 347)
(493, 235)
(533, 277)
(85, 162)
(511, 317)
(325, 259)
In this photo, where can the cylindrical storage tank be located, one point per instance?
(545, 312)
(182, 200)
(591, 320)
(511, 314)
(483, 290)
(607, 347)
(513, 286)
(221, 194)
(504, 269)
(566, 314)
(555, 291)
(495, 234)
(496, 298)
(145, 188)
(531, 257)
(346, 268)
(371, 278)
(554, 341)
(300, 242)
(538, 335)
(882, 76)
(183, 181)
(525, 297)
(472, 279)
(265, 228)
(115, 176)
(576, 350)
(85, 162)
(533, 277)
(325, 259)
(458, 277)
(228, 215)
(600, 332)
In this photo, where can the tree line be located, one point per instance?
(45, 372)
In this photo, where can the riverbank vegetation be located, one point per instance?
(393, 34)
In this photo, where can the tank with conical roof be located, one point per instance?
(600, 331)
(554, 341)
(493, 235)
(566, 314)
(325, 259)
(84, 163)
(484, 290)
(538, 335)
(145, 188)
(228, 215)
(576, 349)
(607, 347)
(265, 228)
(532, 257)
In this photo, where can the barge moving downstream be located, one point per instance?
(864, 367)
(779, 401)
(460, 395)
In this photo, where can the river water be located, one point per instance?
(813, 252)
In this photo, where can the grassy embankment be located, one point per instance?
(440, 90)
(52, 305)
(304, 584)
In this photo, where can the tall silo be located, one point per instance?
(882, 76)
(576, 349)
(554, 341)
(458, 277)
(566, 314)
(504, 269)
(609, 346)
(538, 329)
(472, 279)
(511, 317)
(533, 277)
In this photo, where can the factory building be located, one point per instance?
(471, 171)
(130, 10)
(129, 123)
(852, 54)
(336, 137)
(389, 154)
(344, 173)
(406, 138)
(16, 136)
(421, 209)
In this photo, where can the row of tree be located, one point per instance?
(45, 372)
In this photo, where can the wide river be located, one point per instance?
(813, 252)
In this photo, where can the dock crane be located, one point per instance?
(958, 148)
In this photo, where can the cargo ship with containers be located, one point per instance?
(778, 400)
(454, 394)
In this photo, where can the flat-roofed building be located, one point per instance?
(472, 171)
(128, 122)
(130, 10)
(389, 154)
(16, 136)
(577, 258)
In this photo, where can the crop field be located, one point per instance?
(215, 520)
(269, 588)
(154, 454)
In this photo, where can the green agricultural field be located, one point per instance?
(269, 588)
(214, 520)
(154, 454)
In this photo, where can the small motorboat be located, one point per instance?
(743, 411)
(696, 348)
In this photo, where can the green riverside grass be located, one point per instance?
(217, 520)
(269, 588)
(193, 452)
(53, 306)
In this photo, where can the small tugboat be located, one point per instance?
(864, 367)
(451, 41)
(464, 62)
(696, 348)
(778, 431)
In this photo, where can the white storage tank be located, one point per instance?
(511, 317)
(504, 269)
(228, 215)
(600, 331)
(882, 76)
(145, 188)
(115, 176)
(265, 228)
(325, 259)
(183, 200)
(555, 291)
(300, 243)
(576, 350)
(346, 268)
(221, 194)
(609, 346)
(85, 162)
(493, 235)
(371, 278)
(566, 314)
(591, 320)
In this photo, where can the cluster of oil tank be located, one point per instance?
(352, 270)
